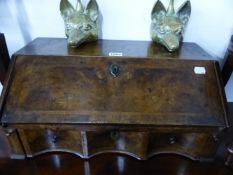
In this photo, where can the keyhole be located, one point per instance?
(114, 70)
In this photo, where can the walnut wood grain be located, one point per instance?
(82, 91)
(86, 93)
(16, 149)
(73, 95)
(37, 142)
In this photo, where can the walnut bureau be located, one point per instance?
(92, 104)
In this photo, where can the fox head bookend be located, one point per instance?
(167, 27)
(81, 24)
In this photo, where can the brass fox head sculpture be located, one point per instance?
(81, 24)
(167, 27)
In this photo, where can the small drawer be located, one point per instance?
(36, 142)
(131, 143)
(195, 146)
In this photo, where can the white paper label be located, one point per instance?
(200, 70)
(116, 54)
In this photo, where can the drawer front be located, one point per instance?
(131, 143)
(139, 144)
(195, 146)
(36, 142)
(143, 145)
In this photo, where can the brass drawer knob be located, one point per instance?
(9, 132)
(4, 123)
(114, 135)
(54, 139)
(172, 140)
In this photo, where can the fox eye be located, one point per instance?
(86, 27)
(179, 30)
(162, 29)
(68, 26)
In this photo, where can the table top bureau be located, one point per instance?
(88, 101)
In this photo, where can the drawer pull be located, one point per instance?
(54, 139)
(4, 123)
(9, 132)
(114, 135)
(172, 140)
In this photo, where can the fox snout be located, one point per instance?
(171, 42)
(76, 38)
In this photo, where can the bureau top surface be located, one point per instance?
(58, 46)
(85, 90)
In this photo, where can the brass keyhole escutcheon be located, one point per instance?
(114, 70)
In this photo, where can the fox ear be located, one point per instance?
(184, 12)
(79, 7)
(92, 10)
(66, 9)
(158, 11)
